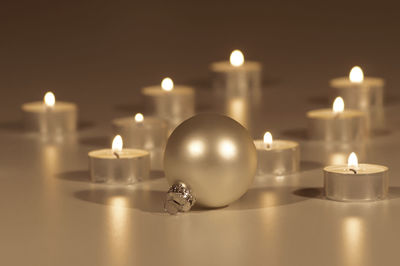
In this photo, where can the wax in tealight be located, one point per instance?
(362, 93)
(118, 165)
(151, 133)
(172, 103)
(337, 125)
(237, 88)
(278, 158)
(148, 133)
(52, 119)
(237, 77)
(361, 182)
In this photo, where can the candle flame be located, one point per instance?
(167, 84)
(237, 58)
(356, 75)
(268, 139)
(117, 144)
(352, 162)
(338, 105)
(139, 117)
(49, 99)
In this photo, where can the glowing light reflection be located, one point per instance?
(196, 147)
(227, 149)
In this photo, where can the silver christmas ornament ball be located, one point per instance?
(210, 159)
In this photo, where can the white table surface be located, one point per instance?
(100, 56)
(53, 215)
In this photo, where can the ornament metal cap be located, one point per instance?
(179, 199)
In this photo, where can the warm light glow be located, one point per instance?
(353, 240)
(119, 223)
(227, 149)
(117, 144)
(237, 58)
(119, 202)
(338, 105)
(196, 147)
(237, 108)
(139, 117)
(268, 139)
(49, 99)
(352, 162)
(167, 84)
(337, 158)
(356, 75)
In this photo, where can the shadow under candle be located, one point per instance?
(310, 192)
(318, 192)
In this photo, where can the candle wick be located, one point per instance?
(353, 170)
(116, 154)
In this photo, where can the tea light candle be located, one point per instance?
(147, 133)
(236, 77)
(141, 132)
(337, 124)
(362, 93)
(277, 157)
(50, 117)
(117, 165)
(356, 182)
(172, 103)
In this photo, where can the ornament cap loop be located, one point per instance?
(179, 199)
